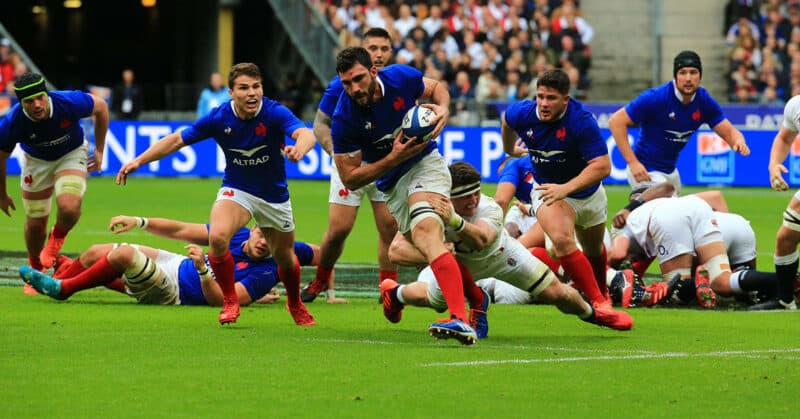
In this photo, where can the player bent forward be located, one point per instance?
(155, 276)
(484, 249)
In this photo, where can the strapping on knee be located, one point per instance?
(142, 273)
(422, 210)
(70, 184)
(37, 208)
(791, 219)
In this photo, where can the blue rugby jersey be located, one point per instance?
(372, 129)
(559, 150)
(253, 148)
(257, 276)
(667, 124)
(331, 96)
(50, 139)
(519, 172)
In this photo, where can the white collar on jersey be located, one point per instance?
(260, 104)
(49, 101)
(559, 117)
(679, 95)
(380, 83)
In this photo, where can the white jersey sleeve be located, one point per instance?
(791, 114)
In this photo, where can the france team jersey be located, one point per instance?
(667, 124)
(52, 138)
(257, 276)
(331, 96)
(519, 172)
(559, 150)
(372, 129)
(253, 148)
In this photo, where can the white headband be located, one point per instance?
(464, 190)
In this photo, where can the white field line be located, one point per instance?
(764, 353)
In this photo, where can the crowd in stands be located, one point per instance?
(487, 50)
(11, 66)
(764, 56)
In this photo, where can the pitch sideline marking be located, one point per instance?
(747, 354)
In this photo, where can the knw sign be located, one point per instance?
(706, 159)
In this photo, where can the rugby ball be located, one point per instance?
(418, 122)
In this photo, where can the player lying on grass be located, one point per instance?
(484, 249)
(155, 276)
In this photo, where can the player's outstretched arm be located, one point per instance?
(732, 136)
(164, 227)
(101, 118)
(618, 125)
(164, 147)
(304, 141)
(5, 201)
(780, 149)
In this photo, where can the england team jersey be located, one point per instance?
(519, 172)
(257, 276)
(372, 129)
(559, 150)
(253, 148)
(489, 212)
(667, 124)
(54, 137)
(331, 96)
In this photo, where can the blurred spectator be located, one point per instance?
(570, 20)
(434, 22)
(737, 29)
(215, 94)
(6, 66)
(127, 99)
(405, 21)
(374, 13)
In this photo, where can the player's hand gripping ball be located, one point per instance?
(418, 122)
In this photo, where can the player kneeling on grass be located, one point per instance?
(484, 249)
(155, 276)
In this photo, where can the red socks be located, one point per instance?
(387, 275)
(101, 273)
(580, 270)
(324, 274)
(58, 233)
(472, 291)
(35, 263)
(541, 254)
(599, 267)
(74, 268)
(291, 281)
(223, 271)
(448, 276)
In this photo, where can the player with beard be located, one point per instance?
(668, 115)
(250, 129)
(343, 202)
(369, 146)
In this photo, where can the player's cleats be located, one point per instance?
(61, 265)
(310, 292)
(775, 304)
(797, 289)
(621, 287)
(230, 310)
(478, 318)
(706, 297)
(51, 249)
(605, 305)
(453, 328)
(657, 291)
(618, 320)
(300, 314)
(41, 282)
(673, 289)
(392, 309)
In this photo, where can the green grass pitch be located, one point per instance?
(101, 355)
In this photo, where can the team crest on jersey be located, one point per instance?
(399, 103)
(32, 137)
(529, 133)
(696, 115)
(261, 130)
(28, 179)
(714, 222)
(241, 265)
(227, 131)
(671, 116)
(511, 262)
(561, 133)
(344, 192)
(368, 125)
(65, 123)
